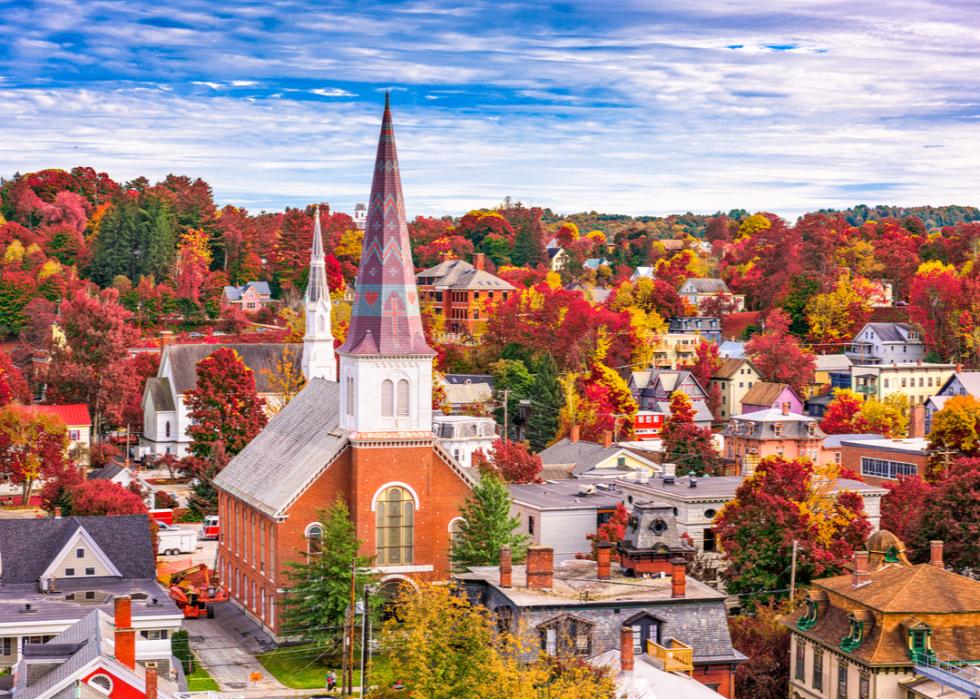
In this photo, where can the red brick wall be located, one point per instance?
(851, 458)
(721, 675)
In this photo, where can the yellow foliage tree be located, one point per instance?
(14, 254)
(349, 245)
(48, 269)
(295, 324)
(957, 426)
(751, 225)
(286, 380)
(832, 316)
(888, 417)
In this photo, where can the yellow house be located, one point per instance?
(734, 378)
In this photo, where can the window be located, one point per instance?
(394, 522)
(800, 661)
(101, 682)
(883, 468)
(90, 571)
(69, 572)
(166, 428)
(864, 687)
(79, 553)
(854, 637)
(403, 398)
(6, 646)
(817, 668)
(886, 383)
(155, 634)
(905, 383)
(709, 539)
(314, 540)
(566, 636)
(842, 681)
(777, 429)
(387, 398)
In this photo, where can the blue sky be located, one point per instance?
(630, 107)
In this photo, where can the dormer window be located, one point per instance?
(777, 429)
(808, 620)
(919, 640)
(855, 636)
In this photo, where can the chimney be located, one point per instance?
(607, 439)
(918, 362)
(505, 567)
(603, 556)
(125, 639)
(917, 421)
(479, 260)
(57, 512)
(678, 579)
(151, 683)
(626, 649)
(669, 470)
(166, 338)
(936, 554)
(786, 408)
(959, 368)
(860, 576)
(540, 567)
(573, 434)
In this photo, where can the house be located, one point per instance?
(166, 417)
(880, 460)
(884, 343)
(584, 459)
(773, 432)
(578, 607)
(644, 677)
(652, 389)
(917, 381)
(883, 629)
(674, 350)
(734, 378)
(961, 383)
(595, 294)
(57, 570)
(765, 395)
(114, 473)
(824, 365)
(367, 438)
(816, 406)
(250, 297)
(648, 424)
(557, 257)
(594, 263)
(732, 349)
(694, 291)
(642, 273)
(360, 215)
(464, 392)
(79, 426)
(94, 657)
(461, 293)
(462, 435)
(708, 328)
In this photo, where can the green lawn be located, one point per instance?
(301, 667)
(200, 680)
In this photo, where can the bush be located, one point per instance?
(180, 646)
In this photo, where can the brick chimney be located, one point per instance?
(166, 338)
(125, 638)
(785, 407)
(506, 573)
(860, 577)
(603, 557)
(678, 577)
(959, 368)
(573, 434)
(479, 260)
(917, 421)
(936, 554)
(607, 439)
(626, 649)
(57, 512)
(540, 567)
(151, 683)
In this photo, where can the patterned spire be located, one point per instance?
(385, 319)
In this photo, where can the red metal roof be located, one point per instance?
(72, 415)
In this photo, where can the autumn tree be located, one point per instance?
(486, 526)
(787, 500)
(956, 428)
(834, 317)
(99, 498)
(33, 446)
(951, 514)
(224, 406)
(778, 356)
(707, 362)
(193, 263)
(286, 380)
(902, 508)
(762, 635)
(843, 413)
(685, 444)
(886, 417)
(511, 461)
(13, 385)
(613, 530)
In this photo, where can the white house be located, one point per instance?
(962, 383)
(696, 290)
(461, 435)
(885, 343)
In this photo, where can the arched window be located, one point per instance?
(166, 428)
(394, 520)
(403, 398)
(387, 398)
(101, 682)
(314, 539)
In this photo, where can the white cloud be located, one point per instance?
(332, 92)
(243, 83)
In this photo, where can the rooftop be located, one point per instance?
(567, 495)
(719, 487)
(73, 414)
(916, 445)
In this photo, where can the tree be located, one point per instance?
(886, 417)
(487, 525)
(952, 515)
(707, 362)
(13, 385)
(684, 443)
(764, 638)
(99, 498)
(957, 426)
(835, 316)
(33, 445)
(319, 587)
(902, 508)
(224, 406)
(613, 530)
(781, 502)
(286, 380)
(777, 355)
(511, 461)
(193, 262)
(546, 401)
(843, 413)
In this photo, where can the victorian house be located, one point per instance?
(367, 437)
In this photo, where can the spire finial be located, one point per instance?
(387, 99)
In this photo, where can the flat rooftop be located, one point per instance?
(76, 598)
(721, 487)
(917, 445)
(567, 494)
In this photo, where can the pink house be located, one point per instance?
(764, 395)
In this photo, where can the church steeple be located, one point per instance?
(385, 362)
(319, 361)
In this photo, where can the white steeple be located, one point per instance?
(319, 360)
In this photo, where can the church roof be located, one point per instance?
(290, 453)
(386, 318)
(257, 356)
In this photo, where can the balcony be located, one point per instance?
(867, 389)
(954, 675)
(675, 656)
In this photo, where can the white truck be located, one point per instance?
(174, 540)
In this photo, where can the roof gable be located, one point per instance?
(179, 363)
(80, 539)
(766, 393)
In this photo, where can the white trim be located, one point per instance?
(72, 543)
(306, 532)
(91, 683)
(453, 521)
(394, 570)
(402, 578)
(393, 484)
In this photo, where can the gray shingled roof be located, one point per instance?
(290, 452)
(892, 332)
(158, 388)
(27, 546)
(86, 634)
(459, 274)
(110, 470)
(258, 356)
(705, 286)
(585, 455)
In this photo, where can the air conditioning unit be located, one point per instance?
(586, 489)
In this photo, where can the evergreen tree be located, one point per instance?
(487, 525)
(319, 588)
(157, 239)
(546, 403)
(116, 244)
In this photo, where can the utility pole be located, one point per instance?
(365, 638)
(506, 393)
(792, 572)
(348, 672)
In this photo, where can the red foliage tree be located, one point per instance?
(764, 638)
(761, 262)
(685, 444)
(952, 515)
(13, 385)
(843, 415)
(33, 446)
(510, 460)
(936, 299)
(778, 356)
(613, 530)
(903, 506)
(707, 362)
(101, 498)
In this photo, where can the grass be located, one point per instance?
(301, 667)
(200, 680)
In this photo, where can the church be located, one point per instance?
(367, 436)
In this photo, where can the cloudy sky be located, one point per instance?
(631, 107)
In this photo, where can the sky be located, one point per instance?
(635, 107)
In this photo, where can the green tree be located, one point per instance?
(487, 525)
(546, 403)
(319, 587)
(115, 247)
(511, 375)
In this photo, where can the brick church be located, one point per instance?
(367, 436)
